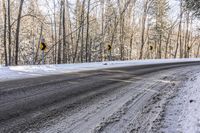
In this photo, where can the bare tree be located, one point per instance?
(179, 36)
(5, 31)
(81, 32)
(65, 58)
(87, 34)
(60, 33)
(9, 35)
(144, 18)
(17, 32)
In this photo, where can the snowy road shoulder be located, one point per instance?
(183, 113)
(31, 71)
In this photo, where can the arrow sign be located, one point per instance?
(109, 47)
(151, 47)
(43, 45)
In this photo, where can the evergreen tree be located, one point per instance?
(193, 5)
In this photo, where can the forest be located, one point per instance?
(79, 31)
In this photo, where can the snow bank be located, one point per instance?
(190, 119)
(19, 72)
(183, 113)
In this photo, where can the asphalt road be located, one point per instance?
(28, 102)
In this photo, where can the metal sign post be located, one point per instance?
(110, 52)
(110, 57)
(43, 57)
(33, 58)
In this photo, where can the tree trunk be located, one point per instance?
(102, 31)
(55, 34)
(60, 33)
(9, 36)
(177, 45)
(160, 47)
(198, 50)
(180, 29)
(167, 43)
(187, 36)
(131, 46)
(65, 58)
(17, 32)
(71, 42)
(5, 31)
(82, 35)
(144, 17)
(87, 34)
(79, 26)
(38, 46)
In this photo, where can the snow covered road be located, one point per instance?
(125, 99)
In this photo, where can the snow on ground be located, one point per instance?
(183, 112)
(19, 72)
(132, 108)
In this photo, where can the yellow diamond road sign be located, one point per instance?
(151, 47)
(43, 45)
(109, 47)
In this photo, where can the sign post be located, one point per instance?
(33, 60)
(110, 54)
(43, 57)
